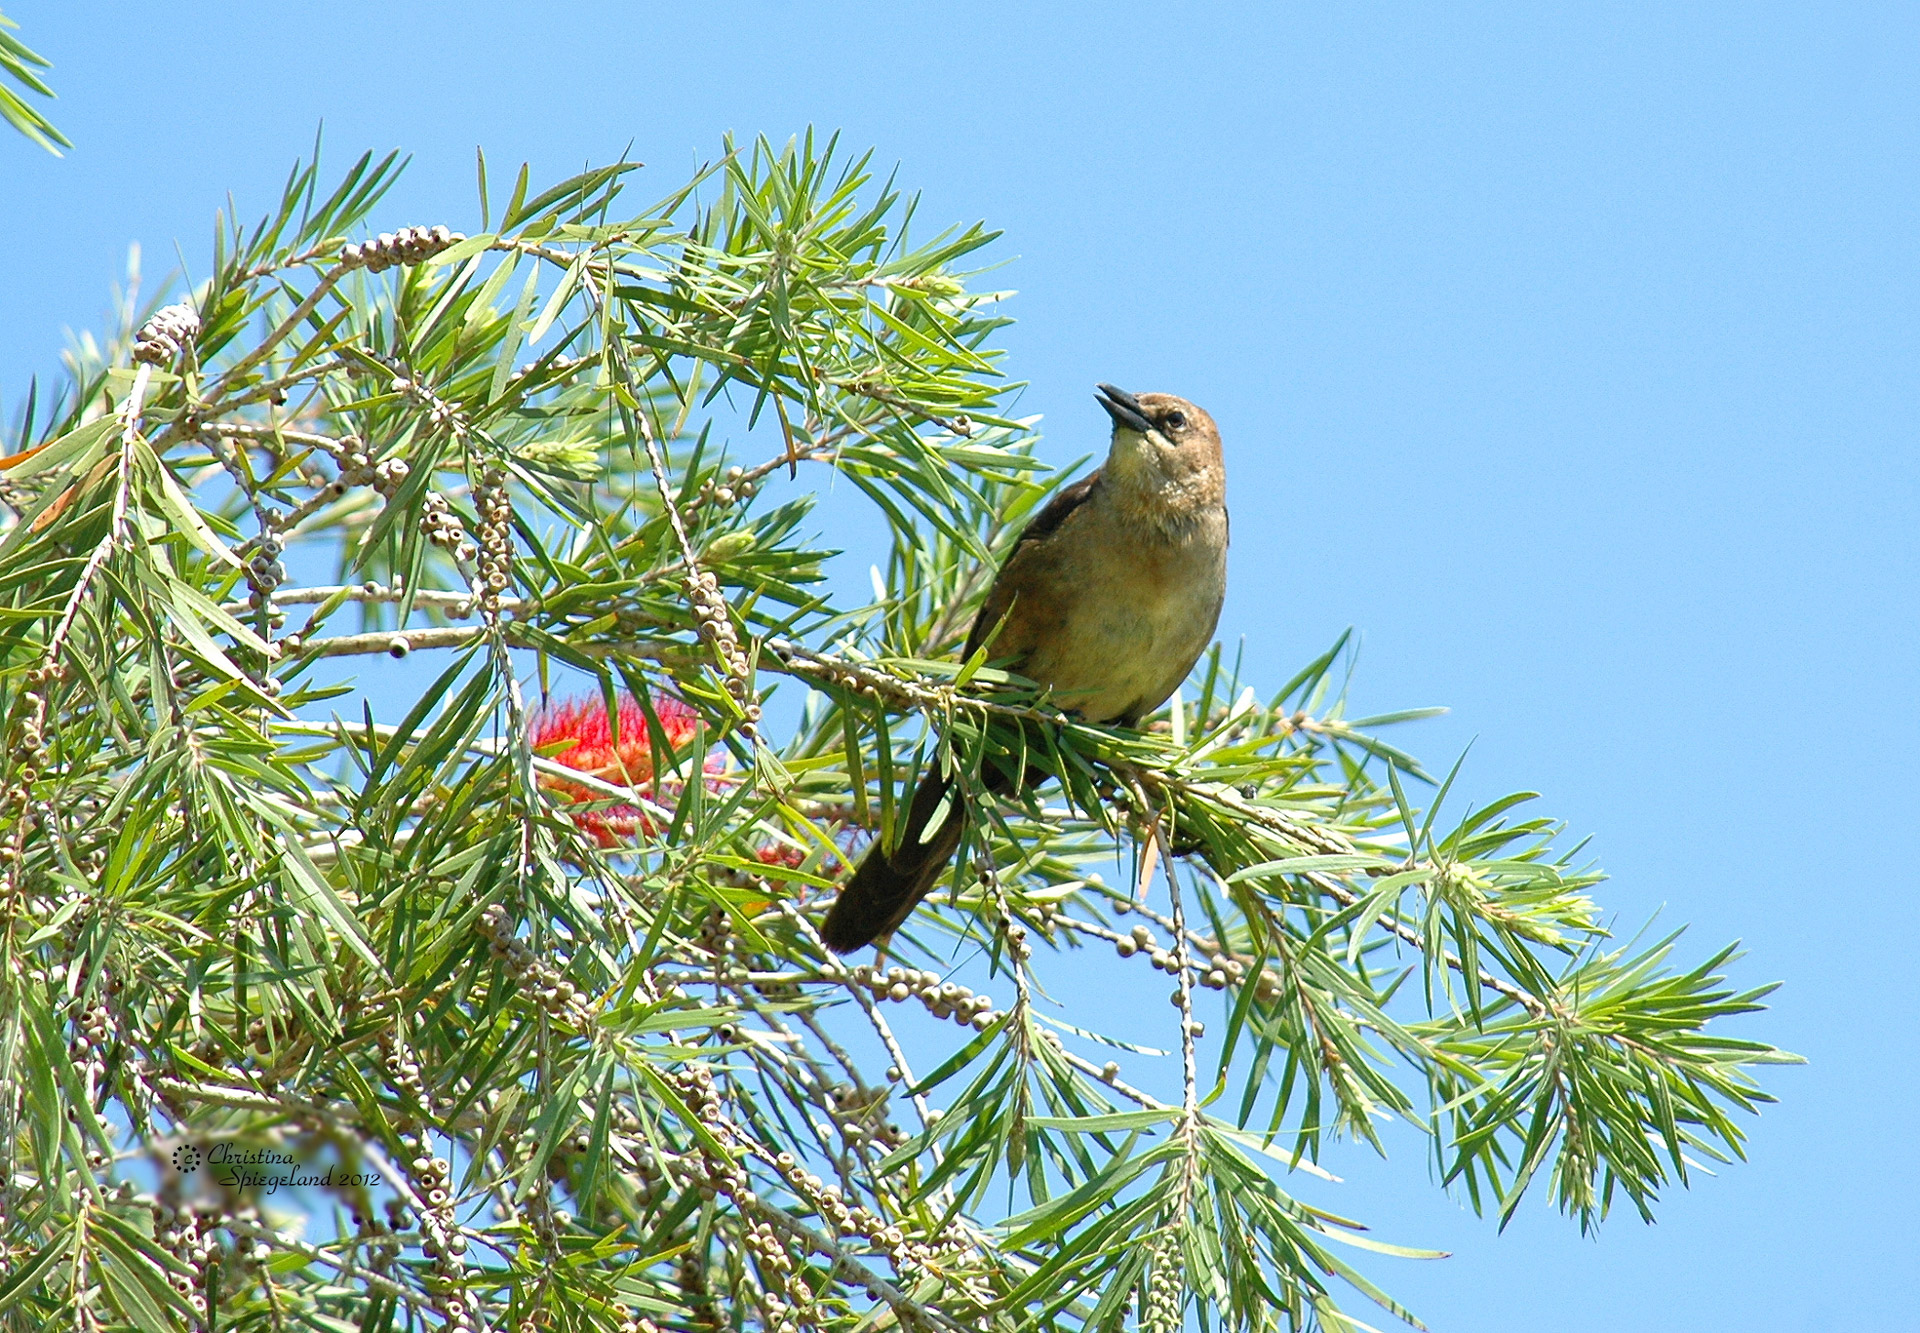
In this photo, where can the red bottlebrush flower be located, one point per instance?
(790, 858)
(593, 751)
(778, 854)
(585, 722)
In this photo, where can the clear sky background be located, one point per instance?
(1567, 352)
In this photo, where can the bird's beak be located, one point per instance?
(1124, 408)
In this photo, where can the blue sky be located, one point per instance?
(1567, 352)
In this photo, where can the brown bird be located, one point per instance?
(1108, 598)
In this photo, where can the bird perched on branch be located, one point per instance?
(1108, 598)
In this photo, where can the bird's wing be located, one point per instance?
(1000, 595)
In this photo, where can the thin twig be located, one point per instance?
(375, 594)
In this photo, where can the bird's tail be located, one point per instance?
(885, 888)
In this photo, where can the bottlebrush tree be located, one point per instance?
(524, 934)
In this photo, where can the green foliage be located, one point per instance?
(568, 1009)
(18, 63)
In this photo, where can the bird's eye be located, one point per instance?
(1174, 420)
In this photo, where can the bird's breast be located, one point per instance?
(1125, 617)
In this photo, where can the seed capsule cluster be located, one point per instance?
(716, 939)
(405, 1076)
(860, 1116)
(389, 474)
(443, 414)
(695, 1293)
(1165, 1291)
(380, 1238)
(623, 1140)
(356, 469)
(1266, 987)
(871, 683)
(255, 1256)
(162, 337)
(409, 245)
(1017, 945)
(1142, 940)
(651, 1185)
(187, 1234)
(265, 572)
(553, 991)
(1222, 971)
(92, 1037)
(29, 746)
(1219, 970)
(555, 369)
(496, 538)
(943, 999)
(713, 1174)
(857, 1223)
(431, 1178)
(716, 627)
(775, 1267)
(100, 1027)
(735, 485)
(441, 526)
(441, 1240)
(291, 1037)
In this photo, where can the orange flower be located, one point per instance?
(593, 751)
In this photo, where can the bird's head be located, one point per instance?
(1164, 447)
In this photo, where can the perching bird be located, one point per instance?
(1109, 597)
